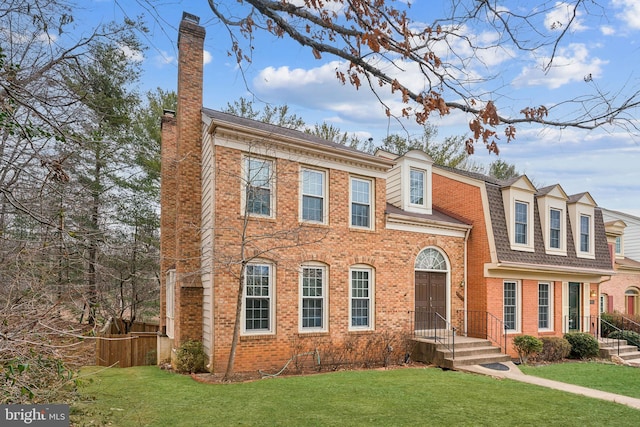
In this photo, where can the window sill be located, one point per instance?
(255, 337)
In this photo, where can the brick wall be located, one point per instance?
(616, 288)
(466, 200)
(391, 253)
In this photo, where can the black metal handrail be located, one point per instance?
(482, 324)
(604, 337)
(432, 326)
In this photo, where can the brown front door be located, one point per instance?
(631, 305)
(431, 298)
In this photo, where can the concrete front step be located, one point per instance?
(477, 359)
(468, 351)
(622, 350)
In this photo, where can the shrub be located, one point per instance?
(526, 345)
(583, 345)
(190, 357)
(609, 324)
(631, 337)
(554, 349)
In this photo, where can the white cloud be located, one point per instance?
(570, 64)
(607, 30)
(630, 13)
(561, 15)
(165, 58)
(132, 54)
(206, 57)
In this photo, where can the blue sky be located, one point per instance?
(603, 45)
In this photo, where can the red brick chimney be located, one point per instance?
(187, 183)
(168, 197)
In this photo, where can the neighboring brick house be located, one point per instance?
(337, 243)
(536, 256)
(622, 293)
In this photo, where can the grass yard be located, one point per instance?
(148, 396)
(601, 376)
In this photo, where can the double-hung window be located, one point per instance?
(313, 298)
(619, 245)
(361, 202)
(258, 186)
(361, 298)
(554, 228)
(417, 187)
(313, 195)
(521, 222)
(584, 233)
(258, 299)
(544, 306)
(510, 305)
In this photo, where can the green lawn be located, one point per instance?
(601, 376)
(147, 396)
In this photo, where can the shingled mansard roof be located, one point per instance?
(539, 256)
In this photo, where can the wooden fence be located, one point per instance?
(137, 348)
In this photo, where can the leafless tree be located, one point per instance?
(379, 40)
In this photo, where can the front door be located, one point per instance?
(574, 306)
(431, 298)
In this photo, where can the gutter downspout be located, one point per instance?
(465, 275)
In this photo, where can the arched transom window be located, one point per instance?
(430, 259)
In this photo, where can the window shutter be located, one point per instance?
(609, 303)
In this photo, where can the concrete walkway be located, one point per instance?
(514, 373)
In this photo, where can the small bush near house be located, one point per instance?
(632, 338)
(554, 349)
(583, 345)
(526, 346)
(609, 324)
(190, 357)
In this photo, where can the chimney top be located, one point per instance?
(186, 16)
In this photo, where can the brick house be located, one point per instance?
(621, 294)
(536, 256)
(340, 246)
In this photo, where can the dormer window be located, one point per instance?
(585, 231)
(552, 205)
(518, 199)
(409, 183)
(619, 245)
(555, 228)
(581, 214)
(521, 223)
(417, 187)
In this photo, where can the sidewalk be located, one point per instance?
(513, 373)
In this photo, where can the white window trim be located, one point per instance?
(619, 253)
(325, 298)
(562, 250)
(372, 209)
(170, 297)
(590, 253)
(272, 303)
(528, 234)
(325, 192)
(372, 299)
(424, 187)
(551, 307)
(518, 326)
(245, 182)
